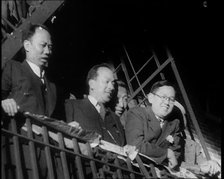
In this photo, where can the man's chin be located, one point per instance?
(106, 99)
(45, 64)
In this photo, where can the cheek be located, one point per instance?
(36, 51)
(170, 109)
(39, 50)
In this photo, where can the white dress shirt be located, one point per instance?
(94, 103)
(36, 70)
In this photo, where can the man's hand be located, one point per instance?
(10, 106)
(170, 139)
(172, 159)
(75, 125)
(210, 167)
(131, 151)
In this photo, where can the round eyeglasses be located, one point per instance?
(165, 98)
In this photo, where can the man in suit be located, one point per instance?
(149, 130)
(119, 101)
(26, 88)
(88, 111)
(22, 83)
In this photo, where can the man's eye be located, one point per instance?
(50, 47)
(125, 99)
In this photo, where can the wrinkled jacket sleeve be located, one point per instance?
(135, 135)
(10, 74)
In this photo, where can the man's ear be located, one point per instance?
(150, 97)
(26, 45)
(91, 84)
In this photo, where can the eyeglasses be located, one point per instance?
(172, 100)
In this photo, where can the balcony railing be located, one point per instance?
(66, 147)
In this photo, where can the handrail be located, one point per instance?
(114, 168)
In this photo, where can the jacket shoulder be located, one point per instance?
(137, 110)
(12, 64)
(74, 102)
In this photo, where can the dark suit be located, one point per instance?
(88, 117)
(143, 130)
(24, 86)
(84, 112)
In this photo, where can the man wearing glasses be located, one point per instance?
(149, 130)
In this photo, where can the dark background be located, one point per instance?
(90, 32)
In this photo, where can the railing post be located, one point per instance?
(33, 158)
(17, 153)
(63, 156)
(78, 159)
(48, 153)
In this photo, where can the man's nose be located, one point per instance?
(167, 101)
(47, 50)
(111, 86)
(121, 103)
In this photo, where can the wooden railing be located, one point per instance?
(94, 162)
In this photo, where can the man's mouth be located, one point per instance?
(165, 107)
(108, 94)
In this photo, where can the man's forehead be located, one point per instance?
(166, 90)
(41, 34)
(105, 72)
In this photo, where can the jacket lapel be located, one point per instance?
(92, 116)
(153, 123)
(35, 83)
(167, 129)
(36, 86)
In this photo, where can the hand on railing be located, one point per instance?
(131, 151)
(75, 124)
(172, 159)
(10, 106)
(210, 167)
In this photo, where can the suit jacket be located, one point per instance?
(24, 86)
(83, 112)
(143, 130)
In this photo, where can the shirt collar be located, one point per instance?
(35, 68)
(92, 100)
(94, 103)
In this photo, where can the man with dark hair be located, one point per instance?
(148, 130)
(91, 113)
(23, 83)
(25, 87)
(119, 101)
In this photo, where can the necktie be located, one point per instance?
(42, 76)
(161, 122)
(44, 93)
(102, 111)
